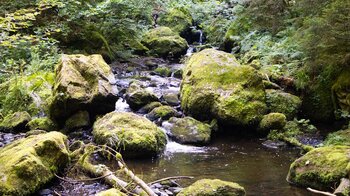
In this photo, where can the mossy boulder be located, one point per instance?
(79, 120)
(137, 97)
(171, 99)
(28, 164)
(178, 19)
(216, 86)
(111, 192)
(83, 83)
(321, 168)
(272, 121)
(341, 92)
(282, 102)
(149, 107)
(164, 42)
(162, 112)
(189, 131)
(134, 135)
(43, 123)
(163, 71)
(208, 187)
(15, 122)
(338, 138)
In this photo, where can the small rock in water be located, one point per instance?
(274, 144)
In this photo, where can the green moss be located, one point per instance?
(178, 19)
(15, 122)
(190, 131)
(136, 136)
(338, 138)
(273, 121)
(207, 187)
(149, 107)
(137, 97)
(321, 168)
(79, 120)
(163, 42)
(42, 124)
(215, 85)
(282, 102)
(29, 163)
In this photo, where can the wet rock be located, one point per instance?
(189, 131)
(178, 73)
(162, 112)
(321, 168)
(35, 132)
(338, 138)
(213, 188)
(79, 120)
(149, 107)
(83, 83)
(274, 144)
(171, 99)
(272, 121)
(216, 86)
(111, 192)
(164, 42)
(137, 97)
(15, 122)
(134, 135)
(43, 123)
(151, 64)
(29, 163)
(282, 102)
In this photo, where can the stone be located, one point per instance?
(341, 137)
(216, 86)
(209, 187)
(272, 121)
(134, 135)
(28, 164)
(162, 112)
(189, 131)
(163, 42)
(82, 83)
(137, 97)
(171, 99)
(321, 168)
(43, 123)
(79, 120)
(111, 192)
(15, 122)
(178, 19)
(279, 101)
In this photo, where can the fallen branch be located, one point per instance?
(170, 178)
(320, 192)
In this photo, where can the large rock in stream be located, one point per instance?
(321, 168)
(15, 122)
(208, 187)
(28, 164)
(164, 42)
(134, 135)
(215, 85)
(83, 83)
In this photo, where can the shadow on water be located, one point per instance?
(260, 170)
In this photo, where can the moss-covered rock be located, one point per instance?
(164, 42)
(78, 120)
(282, 102)
(208, 187)
(15, 122)
(111, 192)
(134, 135)
(163, 71)
(43, 123)
(189, 131)
(215, 85)
(137, 97)
(341, 92)
(162, 112)
(149, 107)
(171, 99)
(29, 163)
(338, 138)
(272, 121)
(83, 83)
(178, 19)
(321, 168)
